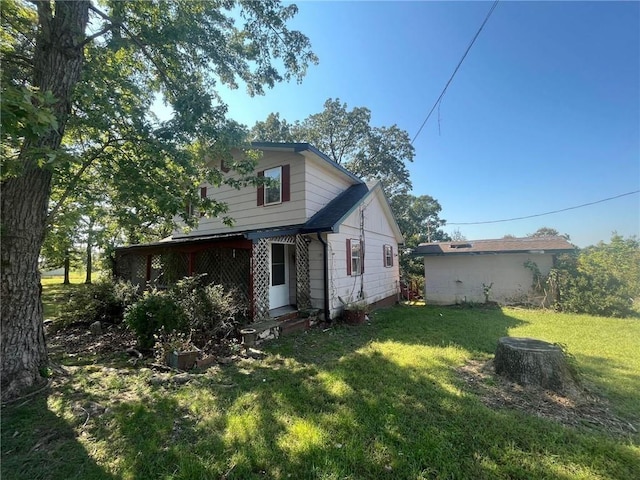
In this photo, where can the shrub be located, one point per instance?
(156, 311)
(212, 312)
(602, 280)
(103, 301)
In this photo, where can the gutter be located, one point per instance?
(325, 251)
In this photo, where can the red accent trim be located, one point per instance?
(203, 192)
(349, 256)
(260, 190)
(286, 183)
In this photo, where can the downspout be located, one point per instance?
(325, 251)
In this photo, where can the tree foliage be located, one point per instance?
(349, 139)
(603, 279)
(78, 82)
(419, 221)
(548, 232)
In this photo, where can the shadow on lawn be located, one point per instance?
(325, 405)
(38, 444)
(367, 417)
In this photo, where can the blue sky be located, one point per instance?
(544, 113)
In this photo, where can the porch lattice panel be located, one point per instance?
(303, 281)
(261, 279)
(229, 267)
(132, 267)
(262, 274)
(167, 268)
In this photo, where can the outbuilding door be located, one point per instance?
(279, 272)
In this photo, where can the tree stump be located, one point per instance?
(528, 361)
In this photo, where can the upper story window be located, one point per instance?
(387, 251)
(277, 189)
(273, 189)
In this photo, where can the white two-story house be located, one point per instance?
(315, 236)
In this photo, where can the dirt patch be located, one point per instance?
(78, 339)
(581, 410)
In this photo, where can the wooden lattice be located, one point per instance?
(261, 279)
(132, 267)
(229, 267)
(303, 282)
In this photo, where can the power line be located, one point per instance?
(546, 213)
(493, 7)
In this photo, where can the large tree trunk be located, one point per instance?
(57, 65)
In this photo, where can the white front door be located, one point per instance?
(279, 286)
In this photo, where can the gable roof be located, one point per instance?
(305, 148)
(504, 245)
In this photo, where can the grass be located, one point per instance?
(54, 290)
(370, 402)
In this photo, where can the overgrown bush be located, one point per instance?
(103, 301)
(212, 312)
(154, 312)
(206, 313)
(601, 280)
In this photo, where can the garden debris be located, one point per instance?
(584, 409)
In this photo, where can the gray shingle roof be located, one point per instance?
(327, 218)
(504, 245)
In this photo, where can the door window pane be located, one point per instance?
(277, 264)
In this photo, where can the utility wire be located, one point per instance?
(493, 7)
(546, 213)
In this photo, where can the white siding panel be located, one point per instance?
(457, 279)
(378, 282)
(316, 274)
(243, 206)
(324, 183)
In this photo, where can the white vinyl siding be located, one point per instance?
(242, 203)
(377, 282)
(459, 278)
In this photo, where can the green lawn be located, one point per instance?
(370, 402)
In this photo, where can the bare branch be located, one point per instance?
(91, 38)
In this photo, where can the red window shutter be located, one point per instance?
(391, 250)
(349, 256)
(384, 256)
(261, 189)
(203, 192)
(286, 183)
